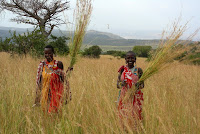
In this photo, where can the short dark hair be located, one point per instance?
(131, 52)
(50, 46)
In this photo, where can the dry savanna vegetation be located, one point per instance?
(171, 98)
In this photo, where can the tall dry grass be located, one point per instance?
(82, 15)
(171, 98)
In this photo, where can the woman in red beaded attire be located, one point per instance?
(130, 109)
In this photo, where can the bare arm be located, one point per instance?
(38, 82)
(38, 94)
(119, 79)
(60, 65)
(140, 85)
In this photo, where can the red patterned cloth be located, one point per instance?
(132, 107)
(56, 92)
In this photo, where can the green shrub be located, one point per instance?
(180, 57)
(142, 51)
(5, 45)
(59, 43)
(194, 56)
(115, 53)
(93, 52)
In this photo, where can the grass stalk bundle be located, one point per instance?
(82, 16)
(166, 52)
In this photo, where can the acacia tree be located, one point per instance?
(40, 13)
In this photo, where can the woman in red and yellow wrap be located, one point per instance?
(50, 82)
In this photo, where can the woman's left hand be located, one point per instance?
(139, 85)
(69, 69)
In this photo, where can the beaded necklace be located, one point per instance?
(132, 69)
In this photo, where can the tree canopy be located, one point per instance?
(33, 43)
(22, 44)
(40, 13)
(59, 44)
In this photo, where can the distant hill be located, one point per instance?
(91, 38)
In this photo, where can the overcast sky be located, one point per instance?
(124, 17)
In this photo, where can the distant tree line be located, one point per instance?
(190, 56)
(140, 51)
(33, 43)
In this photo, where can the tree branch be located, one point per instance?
(44, 12)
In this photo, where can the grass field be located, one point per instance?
(171, 99)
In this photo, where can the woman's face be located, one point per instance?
(48, 53)
(130, 59)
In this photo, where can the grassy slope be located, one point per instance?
(171, 98)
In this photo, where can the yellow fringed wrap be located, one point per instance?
(46, 77)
